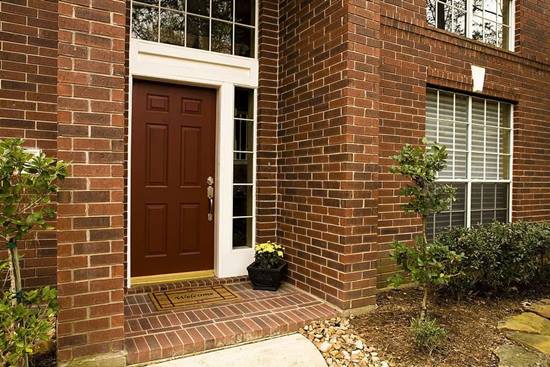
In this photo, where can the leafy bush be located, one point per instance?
(427, 333)
(435, 265)
(25, 324)
(268, 255)
(426, 262)
(27, 183)
(498, 256)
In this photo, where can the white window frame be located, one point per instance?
(182, 65)
(254, 121)
(468, 181)
(469, 23)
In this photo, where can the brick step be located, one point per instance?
(151, 335)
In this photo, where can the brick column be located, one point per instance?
(90, 221)
(266, 171)
(328, 147)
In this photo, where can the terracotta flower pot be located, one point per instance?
(267, 279)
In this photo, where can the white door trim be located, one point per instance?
(174, 64)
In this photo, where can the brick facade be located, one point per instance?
(415, 55)
(266, 173)
(342, 86)
(90, 220)
(328, 148)
(28, 105)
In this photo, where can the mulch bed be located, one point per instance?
(471, 326)
(47, 359)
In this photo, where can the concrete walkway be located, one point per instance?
(285, 351)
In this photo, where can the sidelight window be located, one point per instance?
(244, 168)
(224, 26)
(478, 135)
(488, 21)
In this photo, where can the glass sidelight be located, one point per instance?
(243, 168)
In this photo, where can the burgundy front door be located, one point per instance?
(173, 144)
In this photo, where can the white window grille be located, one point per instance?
(478, 135)
(244, 168)
(489, 21)
(224, 26)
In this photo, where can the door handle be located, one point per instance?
(210, 196)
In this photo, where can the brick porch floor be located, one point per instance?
(153, 335)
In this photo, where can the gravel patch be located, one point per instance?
(340, 345)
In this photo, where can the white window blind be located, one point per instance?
(477, 133)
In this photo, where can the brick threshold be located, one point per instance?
(152, 335)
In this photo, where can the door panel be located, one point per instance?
(190, 150)
(155, 226)
(157, 155)
(173, 145)
(189, 228)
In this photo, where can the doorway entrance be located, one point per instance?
(172, 178)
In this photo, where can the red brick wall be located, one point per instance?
(28, 104)
(532, 25)
(413, 55)
(328, 151)
(266, 169)
(90, 220)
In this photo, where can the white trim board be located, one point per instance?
(175, 64)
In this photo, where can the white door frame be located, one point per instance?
(180, 65)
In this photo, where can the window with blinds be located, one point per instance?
(478, 136)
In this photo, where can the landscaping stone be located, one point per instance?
(516, 356)
(536, 342)
(527, 322)
(541, 308)
(340, 346)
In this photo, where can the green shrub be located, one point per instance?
(427, 263)
(427, 334)
(26, 324)
(27, 184)
(498, 257)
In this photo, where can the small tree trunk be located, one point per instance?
(16, 269)
(424, 311)
(15, 281)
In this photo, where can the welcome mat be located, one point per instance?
(189, 297)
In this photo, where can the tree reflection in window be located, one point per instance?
(145, 22)
(489, 21)
(224, 26)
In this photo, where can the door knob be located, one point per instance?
(210, 196)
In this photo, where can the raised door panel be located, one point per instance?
(157, 155)
(189, 229)
(190, 156)
(155, 230)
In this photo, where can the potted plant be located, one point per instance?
(268, 269)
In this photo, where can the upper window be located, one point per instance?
(477, 134)
(484, 20)
(225, 26)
